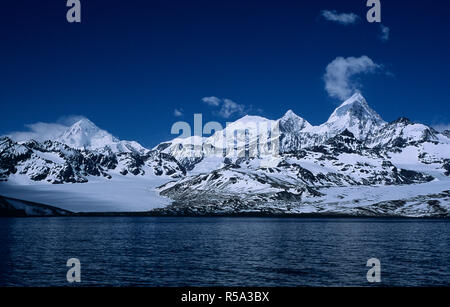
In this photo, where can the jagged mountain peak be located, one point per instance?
(353, 121)
(355, 98)
(402, 120)
(85, 124)
(292, 122)
(290, 114)
(355, 115)
(403, 132)
(57, 163)
(84, 134)
(356, 107)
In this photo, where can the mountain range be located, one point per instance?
(353, 164)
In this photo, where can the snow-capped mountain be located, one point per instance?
(295, 132)
(353, 115)
(353, 164)
(403, 132)
(249, 133)
(285, 184)
(354, 148)
(292, 132)
(57, 163)
(84, 134)
(81, 151)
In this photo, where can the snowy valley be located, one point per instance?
(354, 164)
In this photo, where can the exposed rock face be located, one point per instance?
(18, 208)
(250, 184)
(313, 169)
(57, 163)
(355, 147)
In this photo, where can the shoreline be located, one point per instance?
(57, 212)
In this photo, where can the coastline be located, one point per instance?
(52, 211)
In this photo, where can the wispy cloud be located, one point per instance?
(42, 131)
(341, 18)
(340, 73)
(385, 31)
(178, 112)
(38, 131)
(69, 120)
(228, 108)
(212, 101)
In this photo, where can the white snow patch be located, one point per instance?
(121, 194)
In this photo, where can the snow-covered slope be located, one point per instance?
(354, 148)
(248, 135)
(285, 184)
(403, 132)
(57, 163)
(292, 133)
(353, 164)
(84, 134)
(353, 115)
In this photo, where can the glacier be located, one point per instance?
(354, 164)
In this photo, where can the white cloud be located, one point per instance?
(38, 131)
(41, 131)
(384, 36)
(212, 101)
(70, 119)
(228, 107)
(342, 18)
(339, 75)
(178, 112)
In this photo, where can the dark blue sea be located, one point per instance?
(147, 251)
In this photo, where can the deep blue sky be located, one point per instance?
(129, 64)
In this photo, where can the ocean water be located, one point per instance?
(147, 251)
